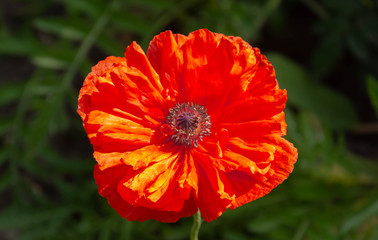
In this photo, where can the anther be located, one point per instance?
(189, 122)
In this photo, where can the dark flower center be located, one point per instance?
(187, 121)
(190, 122)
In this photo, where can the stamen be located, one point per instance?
(187, 121)
(190, 122)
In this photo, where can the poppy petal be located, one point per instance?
(155, 186)
(152, 181)
(284, 155)
(275, 125)
(243, 172)
(195, 124)
(165, 56)
(207, 63)
(108, 181)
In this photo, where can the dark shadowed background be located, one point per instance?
(325, 54)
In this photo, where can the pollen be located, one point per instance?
(190, 122)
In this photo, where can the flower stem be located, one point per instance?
(197, 219)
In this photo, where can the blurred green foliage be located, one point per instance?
(325, 54)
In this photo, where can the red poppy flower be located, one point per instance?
(195, 124)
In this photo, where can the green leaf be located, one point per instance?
(18, 45)
(5, 180)
(60, 164)
(17, 217)
(358, 44)
(373, 235)
(327, 53)
(60, 27)
(5, 126)
(3, 155)
(110, 46)
(372, 88)
(9, 92)
(264, 225)
(301, 230)
(49, 62)
(93, 8)
(131, 23)
(56, 56)
(153, 4)
(331, 106)
(234, 235)
(359, 217)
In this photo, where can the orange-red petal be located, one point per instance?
(285, 155)
(108, 180)
(144, 175)
(166, 58)
(243, 172)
